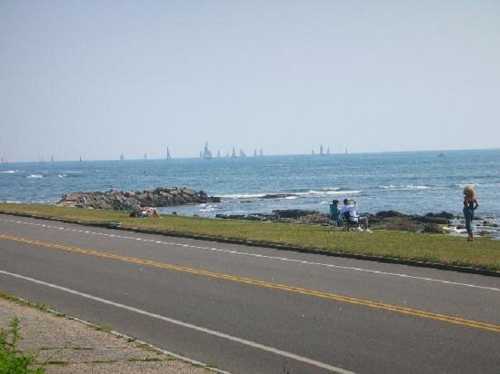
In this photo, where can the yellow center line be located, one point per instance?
(261, 283)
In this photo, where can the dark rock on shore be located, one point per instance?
(293, 213)
(389, 214)
(130, 200)
(433, 228)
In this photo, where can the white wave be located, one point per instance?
(61, 175)
(327, 192)
(8, 172)
(244, 196)
(292, 195)
(35, 176)
(408, 187)
(353, 192)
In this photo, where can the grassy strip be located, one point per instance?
(12, 361)
(483, 253)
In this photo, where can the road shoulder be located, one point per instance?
(64, 345)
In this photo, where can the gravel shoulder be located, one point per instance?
(63, 345)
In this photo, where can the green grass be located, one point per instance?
(12, 361)
(483, 253)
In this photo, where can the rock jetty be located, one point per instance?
(120, 200)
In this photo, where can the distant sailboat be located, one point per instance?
(261, 152)
(169, 157)
(145, 156)
(346, 151)
(242, 153)
(233, 154)
(51, 158)
(207, 154)
(328, 152)
(122, 157)
(321, 152)
(81, 159)
(255, 152)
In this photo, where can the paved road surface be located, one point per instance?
(257, 310)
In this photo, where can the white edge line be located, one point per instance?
(278, 258)
(218, 334)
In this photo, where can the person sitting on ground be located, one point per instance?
(470, 205)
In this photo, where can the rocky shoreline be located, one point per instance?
(438, 223)
(133, 200)
(386, 219)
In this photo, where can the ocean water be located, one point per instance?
(410, 182)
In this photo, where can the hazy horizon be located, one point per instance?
(161, 157)
(98, 79)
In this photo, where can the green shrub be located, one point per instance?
(12, 361)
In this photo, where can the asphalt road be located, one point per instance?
(257, 310)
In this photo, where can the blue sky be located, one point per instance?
(98, 78)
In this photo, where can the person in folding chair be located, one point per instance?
(350, 216)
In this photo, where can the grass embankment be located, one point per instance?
(483, 253)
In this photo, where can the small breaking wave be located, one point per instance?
(326, 192)
(244, 196)
(35, 176)
(308, 190)
(408, 187)
(323, 192)
(8, 172)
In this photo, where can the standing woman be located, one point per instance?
(470, 205)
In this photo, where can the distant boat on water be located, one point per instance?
(51, 158)
(261, 152)
(81, 159)
(242, 153)
(122, 157)
(233, 154)
(346, 151)
(169, 156)
(206, 154)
